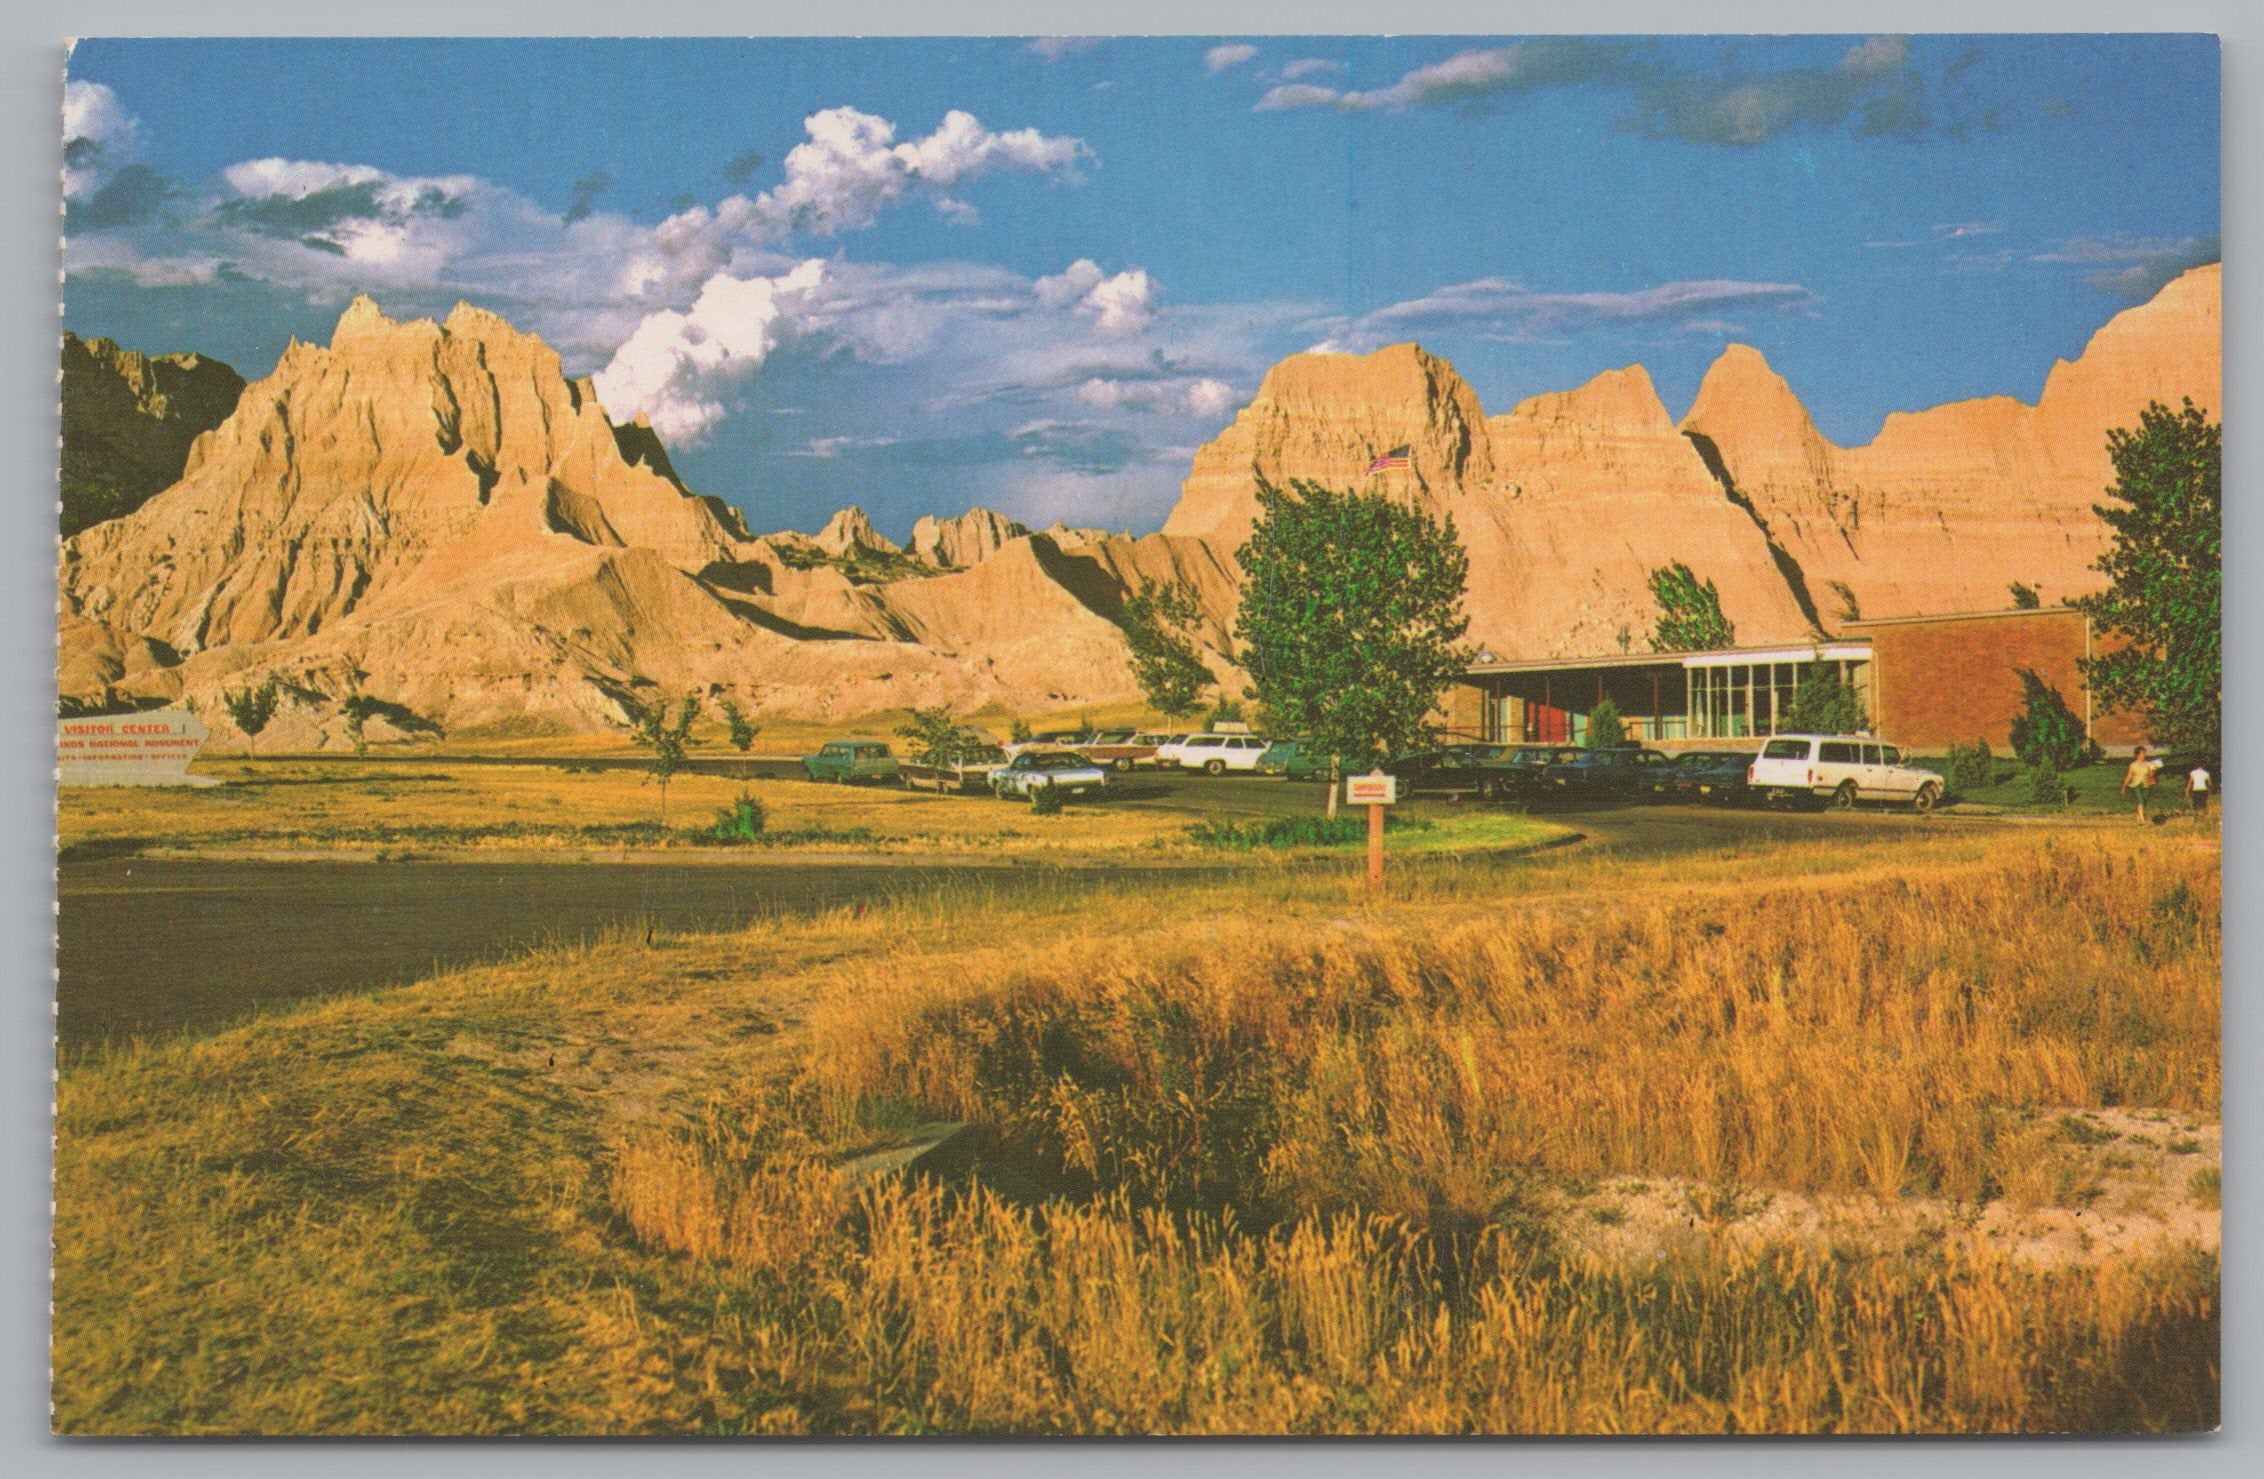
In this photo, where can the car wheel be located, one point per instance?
(1924, 801)
(1214, 767)
(1843, 799)
(1123, 764)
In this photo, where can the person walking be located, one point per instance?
(2139, 778)
(2197, 790)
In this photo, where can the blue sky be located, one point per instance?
(921, 274)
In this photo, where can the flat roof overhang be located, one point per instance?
(1721, 657)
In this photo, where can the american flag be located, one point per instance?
(1396, 457)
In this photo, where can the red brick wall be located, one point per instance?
(1938, 683)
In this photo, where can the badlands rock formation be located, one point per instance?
(128, 422)
(1569, 501)
(1945, 507)
(433, 514)
(970, 539)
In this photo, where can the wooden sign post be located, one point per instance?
(1375, 790)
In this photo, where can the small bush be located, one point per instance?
(2207, 1187)
(1605, 727)
(2047, 732)
(740, 822)
(1047, 801)
(2045, 788)
(2187, 1146)
(2085, 1131)
(1295, 831)
(1971, 767)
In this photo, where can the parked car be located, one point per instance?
(843, 761)
(1840, 770)
(1293, 759)
(1612, 773)
(1451, 769)
(1119, 749)
(1153, 740)
(1033, 771)
(1213, 754)
(1518, 771)
(1051, 739)
(967, 768)
(1708, 775)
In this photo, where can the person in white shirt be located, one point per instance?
(2197, 790)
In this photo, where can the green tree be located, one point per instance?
(1228, 710)
(1351, 618)
(1690, 612)
(1605, 727)
(669, 741)
(2047, 733)
(1822, 704)
(1159, 622)
(937, 736)
(741, 731)
(2024, 597)
(251, 708)
(2164, 574)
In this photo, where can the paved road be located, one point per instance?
(149, 945)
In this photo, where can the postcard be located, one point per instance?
(1106, 736)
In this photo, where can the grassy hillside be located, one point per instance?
(1261, 1155)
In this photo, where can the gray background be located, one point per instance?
(31, 57)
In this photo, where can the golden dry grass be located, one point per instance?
(370, 805)
(1253, 1156)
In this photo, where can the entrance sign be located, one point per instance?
(149, 749)
(1375, 789)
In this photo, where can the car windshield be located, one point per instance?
(1785, 749)
(1056, 762)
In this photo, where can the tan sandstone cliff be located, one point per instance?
(433, 514)
(1569, 501)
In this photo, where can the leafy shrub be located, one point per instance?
(2045, 788)
(1047, 801)
(1971, 767)
(1303, 830)
(740, 822)
(2047, 733)
(1605, 727)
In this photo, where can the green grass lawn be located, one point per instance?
(2095, 788)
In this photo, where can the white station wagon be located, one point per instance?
(1840, 770)
(1213, 754)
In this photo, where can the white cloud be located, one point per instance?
(98, 136)
(1311, 66)
(1119, 305)
(672, 367)
(828, 448)
(1498, 308)
(1201, 397)
(851, 168)
(1054, 48)
(1466, 76)
(1219, 58)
